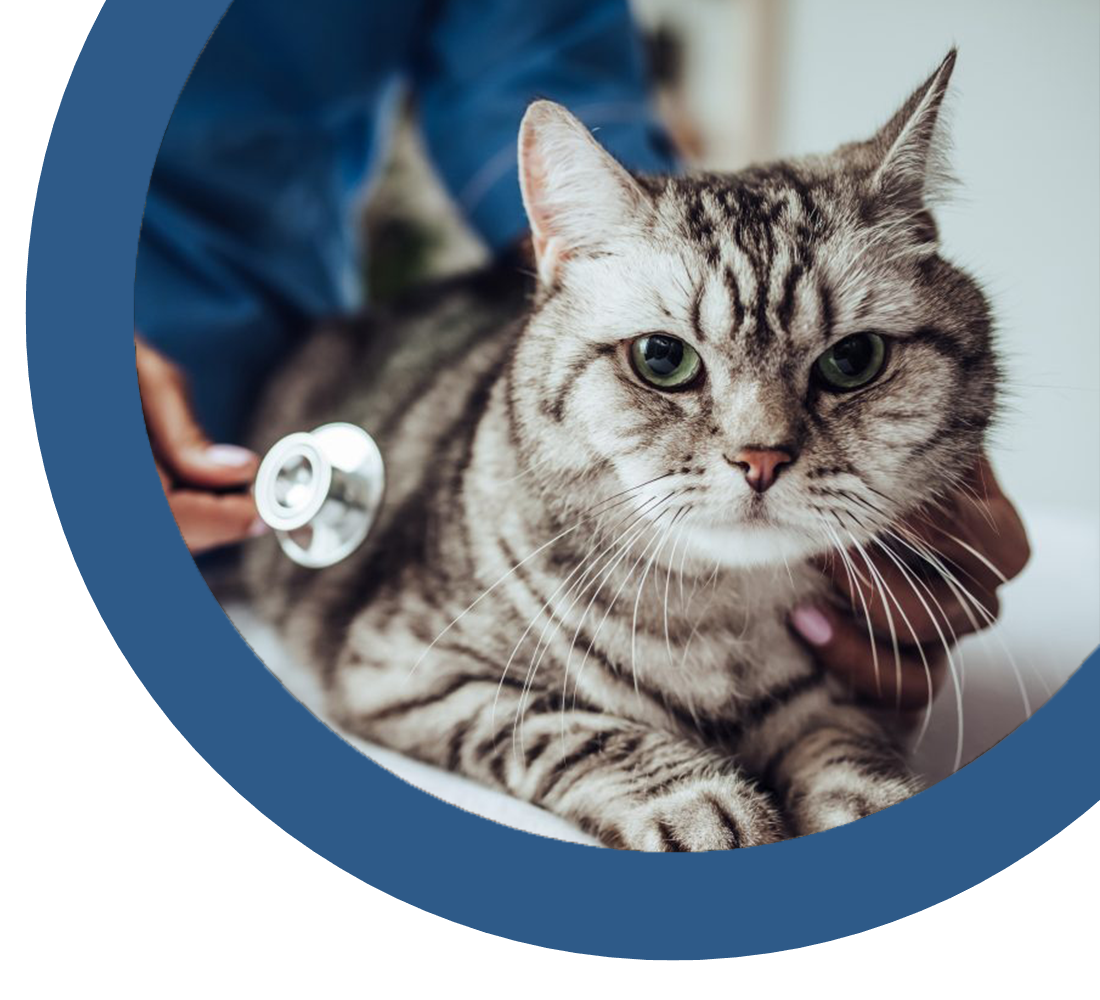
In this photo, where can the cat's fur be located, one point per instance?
(571, 593)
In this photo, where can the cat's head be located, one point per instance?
(777, 360)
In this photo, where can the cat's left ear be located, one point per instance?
(577, 195)
(910, 151)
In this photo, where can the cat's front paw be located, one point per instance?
(710, 814)
(834, 803)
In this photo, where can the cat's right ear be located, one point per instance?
(577, 195)
(908, 162)
(910, 147)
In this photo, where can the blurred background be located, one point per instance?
(747, 80)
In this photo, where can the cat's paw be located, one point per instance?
(845, 799)
(709, 814)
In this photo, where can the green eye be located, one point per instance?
(851, 363)
(664, 361)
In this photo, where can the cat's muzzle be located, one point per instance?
(320, 492)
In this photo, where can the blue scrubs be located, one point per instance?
(250, 229)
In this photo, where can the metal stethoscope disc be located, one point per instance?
(320, 492)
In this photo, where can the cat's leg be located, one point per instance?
(630, 785)
(835, 765)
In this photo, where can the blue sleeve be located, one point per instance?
(250, 227)
(486, 60)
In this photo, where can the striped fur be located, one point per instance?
(571, 595)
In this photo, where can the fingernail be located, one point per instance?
(229, 455)
(812, 625)
(259, 527)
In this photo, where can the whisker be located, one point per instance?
(557, 620)
(699, 620)
(529, 469)
(969, 604)
(542, 548)
(668, 580)
(637, 603)
(638, 515)
(614, 600)
(924, 660)
(850, 572)
(623, 543)
(956, 675)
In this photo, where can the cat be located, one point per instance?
(604, 492)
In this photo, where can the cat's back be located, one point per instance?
(373, 369)
(412, 375)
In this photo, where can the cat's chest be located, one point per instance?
(719, 670)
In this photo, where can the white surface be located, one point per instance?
(459, 791)
(1048, 628)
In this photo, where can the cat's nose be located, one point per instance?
(762, 465)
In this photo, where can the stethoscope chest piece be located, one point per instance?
(320, 492)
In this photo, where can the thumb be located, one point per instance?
(177, 439)
(903, 677)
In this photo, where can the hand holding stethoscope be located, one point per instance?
(318, 491)
(205, 483)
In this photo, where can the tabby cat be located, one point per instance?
(603, 494)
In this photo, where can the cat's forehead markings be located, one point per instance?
(714, 307)
(737, 305)
(825, 309)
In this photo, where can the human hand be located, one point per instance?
(969, 545)
(194, 473)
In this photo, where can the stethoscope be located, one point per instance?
(320, 492)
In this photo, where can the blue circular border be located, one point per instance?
(220, 696)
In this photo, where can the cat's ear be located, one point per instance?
(910, 154)
(576, 194)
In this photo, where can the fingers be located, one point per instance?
(913, 602)
(936, 575)
(867, 664)
(208, 520)
(992, 524)
(183, 455)
(979, 531)
(930, 580)
(165, 479)
(178, 442)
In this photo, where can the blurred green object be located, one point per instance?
(400, 257)
(411, 225)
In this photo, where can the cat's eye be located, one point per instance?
(664, 361)
(851, 363)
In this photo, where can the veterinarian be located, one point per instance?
(251, 228)
(251, 233)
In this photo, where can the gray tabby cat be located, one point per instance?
(601, 503)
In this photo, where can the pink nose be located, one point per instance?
(762, 465)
